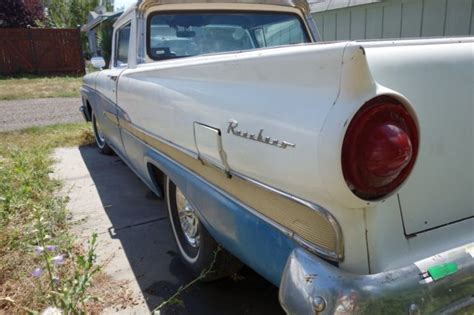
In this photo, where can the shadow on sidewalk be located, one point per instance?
(140, 222)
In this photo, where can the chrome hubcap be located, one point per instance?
(188, 219)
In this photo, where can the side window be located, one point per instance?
(123, 41)
(284, 33)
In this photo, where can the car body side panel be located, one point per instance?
(249, 238)
(285, 91)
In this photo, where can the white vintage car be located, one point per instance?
(341, 172)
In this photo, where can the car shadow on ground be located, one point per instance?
(139, 220)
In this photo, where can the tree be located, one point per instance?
(70, 13)
(17, 13)
(35, 9)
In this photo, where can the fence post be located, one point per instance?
(81, 53)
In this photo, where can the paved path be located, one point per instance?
(19, 114)
(136, 241)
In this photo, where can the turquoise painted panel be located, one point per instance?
(358, 23)
(231, 224)
(433, 18)
(319, 20)
(343, 25)
(329, 27)
(399, 18)
(411, 19)
(392, 17)
(458, 17)
(472, 21)
(373, 28)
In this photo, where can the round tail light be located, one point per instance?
(379, 148)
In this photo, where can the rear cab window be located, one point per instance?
(122, 45)
(184, 34)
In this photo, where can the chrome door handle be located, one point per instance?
(112, 77)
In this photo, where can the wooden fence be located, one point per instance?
(40, 51)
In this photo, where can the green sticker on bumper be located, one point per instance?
(441, 271)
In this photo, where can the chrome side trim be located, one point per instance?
(300, 241)
(336, 255)
(184, 150)
(329, 217)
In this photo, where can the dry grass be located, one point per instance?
(25, 165)
(39, 87)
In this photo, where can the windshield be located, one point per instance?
(174, 35)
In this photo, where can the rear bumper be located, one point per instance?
(311, 286)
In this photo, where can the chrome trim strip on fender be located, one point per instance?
(329, 217)
(307, 223)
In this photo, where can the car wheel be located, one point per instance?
(197, 249)
(100, 138)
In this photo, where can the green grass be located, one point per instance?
(27, 87)
(26, 190)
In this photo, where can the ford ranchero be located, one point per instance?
(341, 172)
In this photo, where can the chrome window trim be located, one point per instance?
(299, 4)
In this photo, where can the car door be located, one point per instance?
(107, 109)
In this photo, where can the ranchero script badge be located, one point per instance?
(233, 124)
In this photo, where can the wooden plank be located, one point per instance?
(343, 25)
(373, 27)
(411, 19)
(392, 18)
(358, 20)
(458, 17)
(433, 18)
(40, 51)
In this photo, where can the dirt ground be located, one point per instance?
(136, 244)
(19, 114)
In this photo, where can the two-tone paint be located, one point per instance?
(175, 115)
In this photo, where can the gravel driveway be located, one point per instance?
(19, 114)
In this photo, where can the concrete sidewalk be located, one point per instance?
(137, 245)
(19, 114)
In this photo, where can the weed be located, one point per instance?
(174, 299)
(39, 264)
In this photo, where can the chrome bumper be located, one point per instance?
(312, 286)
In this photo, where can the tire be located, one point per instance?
(100, 138)
(197, 251)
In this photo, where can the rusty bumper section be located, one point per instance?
(442, 283)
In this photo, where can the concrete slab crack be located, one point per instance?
(112, 231)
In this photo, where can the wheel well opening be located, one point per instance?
(89, 108)
(158, 178)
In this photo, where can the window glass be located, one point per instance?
(123, 41)
(189, 34)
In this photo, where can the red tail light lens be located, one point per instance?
(379, 149)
